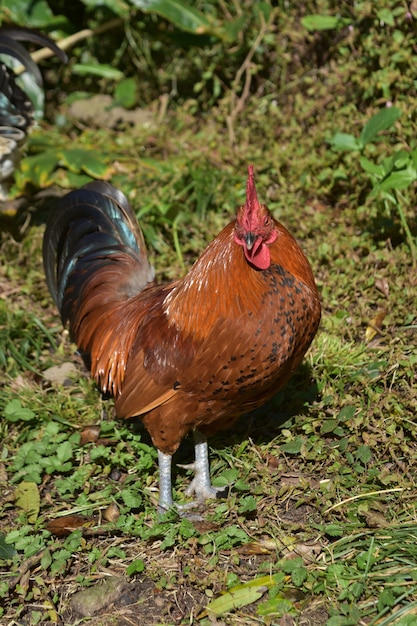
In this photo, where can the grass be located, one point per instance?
(320, 523)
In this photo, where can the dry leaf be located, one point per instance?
(103, 441)
(204, 526)
(261, 546)
(64, 526)
(374, 519)
(3, 474)
(112, 513)
(272, 461)
(375, 325)
(299, 479)
(89, 434)
(382, 285)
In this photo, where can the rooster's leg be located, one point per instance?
(201, 485)
(165, 485)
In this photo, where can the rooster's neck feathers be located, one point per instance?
(223, 276)
(211, 279)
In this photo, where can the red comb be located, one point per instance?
(252, 203)
(251, 197)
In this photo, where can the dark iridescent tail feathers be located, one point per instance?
(92, 237)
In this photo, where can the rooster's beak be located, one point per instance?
(249, 240)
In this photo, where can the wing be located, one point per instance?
(158, 355)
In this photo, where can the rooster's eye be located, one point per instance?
(267, 221)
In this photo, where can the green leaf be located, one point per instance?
(262, 581)
(235, 599)
(227, 477)
(247, 504)
(386, 16)
(299, 575)
(182, 15)
(373, 369)
(292, 447)
(229, 537)
(264, 7)
(126, 93)
(364, 454)
(6, 550)
(386, 598)
(136, 567)
(338, 620)
(334, 530)
(132, 498)
(374, 169)
(27, 498)
(324, 22)
(344, 142)
(328, 426)
(14, 412)
(398, 180)
(346, 413)
(233, 28)
(72, 180)
(116, 6)
(101, 70)
(400, 160)
(382, 120)
(37, 169)
(290, 565)
(46, 559)
(53, 464)
(241, 485)
(79, 159)
(39, 15)
(278, 606)
(187, 529)
(357, 589)
(64, 451)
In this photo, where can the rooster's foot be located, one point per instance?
(200, 485)
(202, 490)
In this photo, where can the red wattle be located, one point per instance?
(259, 255)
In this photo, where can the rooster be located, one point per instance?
(17, 111)
(192, 355)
